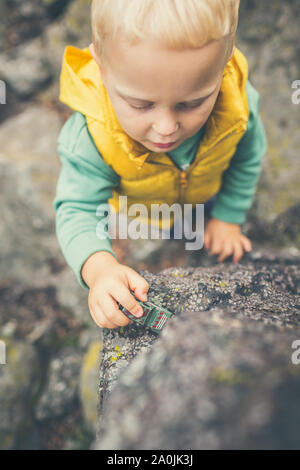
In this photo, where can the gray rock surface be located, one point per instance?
(220, 375)
(25, 230)
(41, 305)
(30, 254)
(25, 19)
(267, 35)
(88, 385)
(26, 69)
(31, 66)
(19, 384)
(33, 150)
(61, 390)
(2, 24)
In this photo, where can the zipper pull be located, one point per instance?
(183, 179)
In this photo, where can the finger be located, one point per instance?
(207, 239)
(246, 243)
(112, 313)
(216, 247)
(137, 284)
(100, 319)
(238, 252)
(226, 251)
(127, 300)
(141, 293)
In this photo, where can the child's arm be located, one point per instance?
(85, 182)
(223, 234)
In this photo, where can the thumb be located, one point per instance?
(138, 284)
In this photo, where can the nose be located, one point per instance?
(165, 125)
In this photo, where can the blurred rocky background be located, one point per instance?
(49, 386)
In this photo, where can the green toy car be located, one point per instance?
(154, 316)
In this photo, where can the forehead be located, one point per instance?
(148, 69)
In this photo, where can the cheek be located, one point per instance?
(124, 113)
(208, 106)
(206, 109)
(200, 116)
(133, 123)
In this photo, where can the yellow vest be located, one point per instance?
(148, 177)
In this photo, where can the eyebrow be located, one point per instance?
(124, 95)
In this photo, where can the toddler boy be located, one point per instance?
(164, 113)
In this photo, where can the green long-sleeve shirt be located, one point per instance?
(86, 181)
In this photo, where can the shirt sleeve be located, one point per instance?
(241, 177)
(85, 181)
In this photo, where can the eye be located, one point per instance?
(148, 106)
(187, 107)
(183, 106)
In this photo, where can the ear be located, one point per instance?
(232, 52)
(94, 55)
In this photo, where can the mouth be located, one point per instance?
(164, 146)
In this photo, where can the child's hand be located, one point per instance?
(110, 282)
(225, 238)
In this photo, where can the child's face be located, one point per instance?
(161, 95)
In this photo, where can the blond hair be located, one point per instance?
(178, 24)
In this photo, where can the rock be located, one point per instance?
(213, 380)
(38, 60)
(74, 299)
(30, 252)
(28, 18)
(8, 329)
(32, 67)
(286, 227)
(231, 337)
(88, 387)
(2, 24)
(39, 125)
(19, 385)
(264, 29)
(27, 234)
(73, 28)
(61, 390)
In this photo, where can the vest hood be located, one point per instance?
(80, 80)
(82, 89)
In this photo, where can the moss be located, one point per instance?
(91, 360)
(89, 383)
(230, 376)
(6, 441)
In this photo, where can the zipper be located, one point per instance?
(183, 174)
(183, 184)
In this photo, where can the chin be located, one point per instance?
(147, 146)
